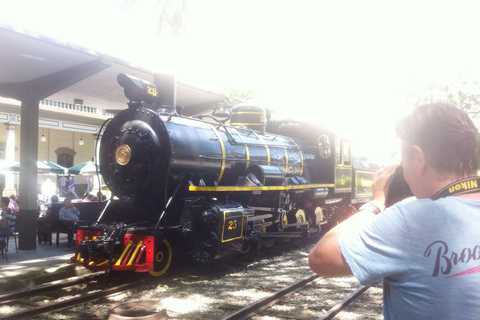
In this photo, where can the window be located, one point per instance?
(65, 156)
(347, 153)
(65, 160)
(338, 150)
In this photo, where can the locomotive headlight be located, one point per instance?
(209, 216)
(138, 90)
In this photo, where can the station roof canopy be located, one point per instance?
(34, 65)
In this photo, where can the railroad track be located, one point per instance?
(260, 305)
(29, 310)
(215, 291)
(257, 307)
(246, 312)
(62, 301)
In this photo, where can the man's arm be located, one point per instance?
(61, 214)
(326, 258)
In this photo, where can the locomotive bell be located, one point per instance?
(251, 117)
(221, 110)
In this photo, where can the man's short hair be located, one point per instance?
(447, 136)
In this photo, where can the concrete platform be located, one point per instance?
(28, 268)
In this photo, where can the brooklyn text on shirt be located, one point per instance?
(446, 260)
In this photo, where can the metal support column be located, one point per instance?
(28, 215)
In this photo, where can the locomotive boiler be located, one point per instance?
(199, 187)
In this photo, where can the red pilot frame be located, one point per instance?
(142, 250)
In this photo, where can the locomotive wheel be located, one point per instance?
(270, 242)
(162, 259)
(318, 217)
(246, 249)
(281, 227)
(285, 222)
(300, 217)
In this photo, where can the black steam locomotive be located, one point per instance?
(203, 188)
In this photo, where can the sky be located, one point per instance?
(343, 64)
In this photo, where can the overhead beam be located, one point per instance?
(43, 87)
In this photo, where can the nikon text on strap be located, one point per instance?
(467, 185)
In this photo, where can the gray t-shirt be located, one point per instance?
(428, 254)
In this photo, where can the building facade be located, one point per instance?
(67, 136)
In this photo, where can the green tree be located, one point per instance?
(239, 94)
(171, 20)
(171, 15)
(464, 94)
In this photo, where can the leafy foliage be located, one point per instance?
(170, 15)
(464, 94)
(239, 94)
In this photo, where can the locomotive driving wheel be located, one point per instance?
(299, 218)
(246, 248)
(270, 242)
(281, 226)
(162, 258)
(318, 217)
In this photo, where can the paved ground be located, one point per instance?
(31, 267)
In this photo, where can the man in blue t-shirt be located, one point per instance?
(71, 187)
(426, 249)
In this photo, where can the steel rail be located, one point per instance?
(56, 306)
(344, 303)
(27, 314)
(257, 307)
(8, 297)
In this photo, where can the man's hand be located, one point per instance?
(326, 258)
(381, 180)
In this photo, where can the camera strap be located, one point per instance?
(464, 186)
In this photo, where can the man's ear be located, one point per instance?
(419, 158)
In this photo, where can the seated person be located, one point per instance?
(44, 226)
(7, 218)
(69, 215)
(54, 199)
(13, 204)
